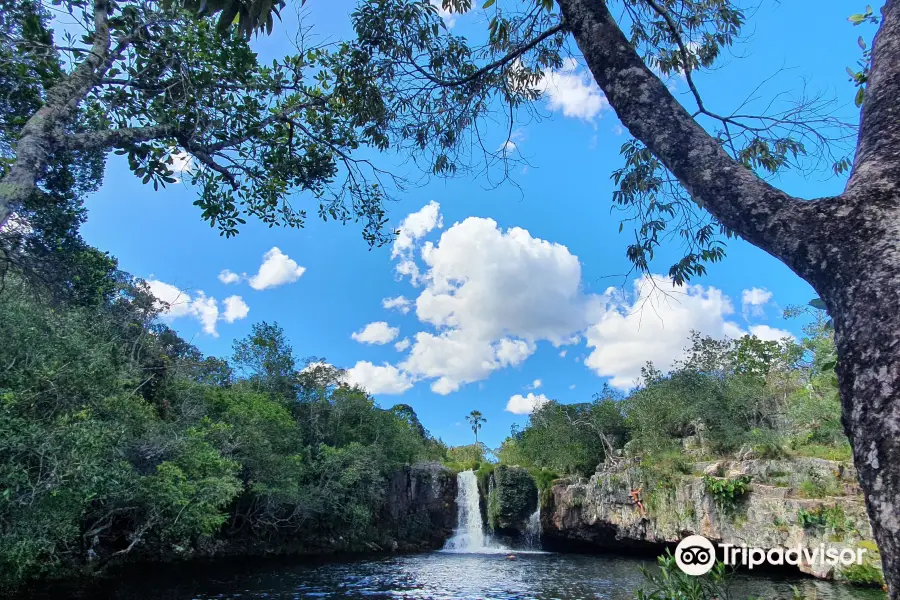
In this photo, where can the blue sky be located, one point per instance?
(512, 296)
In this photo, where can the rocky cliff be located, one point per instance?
(420, 506)
(758, 503)
(511, 499)
(418, 512)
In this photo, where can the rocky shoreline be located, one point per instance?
(758, 503)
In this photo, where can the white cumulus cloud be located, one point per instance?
(402, 345)
(413, 228)
(525, 405)
(175, 303)
(228, 277)
(572, 91)
(399, 303)
(235, 309)
(378, 332)
(492, 283)
(206, 310)
(770, 334)
(182, 162)
(491, 295)
(276, 269)
(378, 379)
(754, 300)
(452, 359)
(654, 324)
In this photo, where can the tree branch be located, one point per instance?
(504, 60)
(738, 198)
(35, 143)
(114, 138)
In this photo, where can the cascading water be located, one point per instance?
(533, 529)
(469, 536)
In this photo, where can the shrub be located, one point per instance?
(727, 492)
(841, 452)
(671, 583)
(825, 517)
(863, 575)
(819, 486)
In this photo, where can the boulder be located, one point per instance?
(512, 498)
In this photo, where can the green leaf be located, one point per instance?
(488, 4)
(859, 96)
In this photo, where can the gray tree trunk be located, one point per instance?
(42, 132)
(847, 247)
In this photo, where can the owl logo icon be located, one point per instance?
(695, 555)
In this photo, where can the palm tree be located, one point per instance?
(475, 419)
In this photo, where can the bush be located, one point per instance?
(671, 583)
(567, 438)
(819, 486)
(727, 492)
(825, 517)
(863, 575)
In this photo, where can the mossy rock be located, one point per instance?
(513, 499)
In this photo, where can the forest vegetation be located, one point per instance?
(118, 438)
(729, 398)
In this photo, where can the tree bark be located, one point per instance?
(42, 132)
(847, 247)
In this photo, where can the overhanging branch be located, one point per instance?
(737, 197)
(115, 138)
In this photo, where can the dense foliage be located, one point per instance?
(119, 438)
(726, 397)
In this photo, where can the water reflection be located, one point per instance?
(438, 576)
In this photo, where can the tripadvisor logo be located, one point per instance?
(696, 555)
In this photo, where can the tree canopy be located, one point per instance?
(120, 439)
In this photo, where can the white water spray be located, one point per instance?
(533, 529)
(469, 536)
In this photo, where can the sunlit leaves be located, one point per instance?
(861, 77)
(431, 84)
(244, 16)
(770, 155)
(702, 27)
(262, 138)
(661, 211)
(866, 17)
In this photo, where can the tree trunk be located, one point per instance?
(869, 376)
(43, 131)
(862, 291)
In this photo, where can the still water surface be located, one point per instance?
(437, 576)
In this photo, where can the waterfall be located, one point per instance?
(533, 529)
(469, 536)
